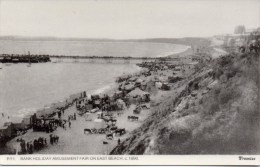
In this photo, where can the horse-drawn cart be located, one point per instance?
(137, 110)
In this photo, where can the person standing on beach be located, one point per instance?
(69, 124)
(51, 139)
(30, 148)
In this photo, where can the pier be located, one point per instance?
(6, 58)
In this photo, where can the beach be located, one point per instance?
(23, 110)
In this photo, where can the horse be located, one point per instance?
(120, 131)
(130, 118)
(101, 131)
(114, 128)
(109, 136)
(87, 130)
(136, 118)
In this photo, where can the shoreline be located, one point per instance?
(107, 88)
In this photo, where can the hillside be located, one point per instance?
(215, 110)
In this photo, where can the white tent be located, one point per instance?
(99, 123)
(137, 92)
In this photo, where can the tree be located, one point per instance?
(240, 29)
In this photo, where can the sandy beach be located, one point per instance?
(73, 140)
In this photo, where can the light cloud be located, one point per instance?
(126, 19)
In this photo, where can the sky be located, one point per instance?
(126, 19)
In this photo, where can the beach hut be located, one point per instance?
(5, 132)
(99, 114)
(75, 96)
(27, 120)
(8, 129)
(18, 123)
(45, 111)
(60, 104)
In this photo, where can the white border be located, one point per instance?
(128, 160)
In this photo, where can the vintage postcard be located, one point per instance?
(129, 82)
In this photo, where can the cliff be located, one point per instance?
(215, 110)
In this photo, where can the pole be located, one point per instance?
(107, 149)
(16, 149)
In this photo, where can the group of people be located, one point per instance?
(29, 147)
(54, 139)
(72, 117)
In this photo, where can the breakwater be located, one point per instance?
(28, 58)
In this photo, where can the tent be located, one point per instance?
(129, 87)
(99, 123)
(139, 80)
(137, 92)
(88, 117)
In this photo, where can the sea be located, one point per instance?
(25, 89)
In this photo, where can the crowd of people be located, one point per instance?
(37, 144)
(31, 146)
(54, 139)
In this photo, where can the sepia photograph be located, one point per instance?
(129, 78)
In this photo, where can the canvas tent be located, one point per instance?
(137, 95)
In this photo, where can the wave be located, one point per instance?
(103, 89)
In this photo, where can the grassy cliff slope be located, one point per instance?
(213, 111)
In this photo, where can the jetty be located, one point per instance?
(25, 58)
(32, 58)
(116, 59)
